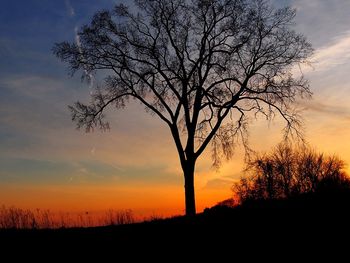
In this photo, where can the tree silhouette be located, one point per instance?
(202, 67)
(288, 172)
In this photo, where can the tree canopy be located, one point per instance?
(202, 67)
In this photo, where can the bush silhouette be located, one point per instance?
(288, 172)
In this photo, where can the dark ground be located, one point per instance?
(307, 227)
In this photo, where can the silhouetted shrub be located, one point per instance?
(288, 172)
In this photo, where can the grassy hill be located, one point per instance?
(320, 220)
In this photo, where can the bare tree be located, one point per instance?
(202, 67)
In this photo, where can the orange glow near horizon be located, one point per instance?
(145, 201)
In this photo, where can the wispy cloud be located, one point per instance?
(34, 86)
(87, 73)
(335, 54)
(71, 13)
(328, 57)
(321, 107)
(70, 9)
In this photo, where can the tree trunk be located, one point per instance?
(189, 189)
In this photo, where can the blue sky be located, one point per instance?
(40, 146)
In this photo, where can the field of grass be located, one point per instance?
(307, 224)
(17, 218)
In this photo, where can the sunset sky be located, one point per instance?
(46, 163)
